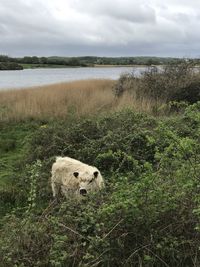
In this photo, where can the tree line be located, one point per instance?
(86, 61)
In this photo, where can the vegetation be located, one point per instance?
(149, 212)
(58, 101)
(10, 66)
(174, 82)
(86, 61)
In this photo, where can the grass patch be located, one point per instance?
(13, 149)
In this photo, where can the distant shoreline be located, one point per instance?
(51, 66)
(31, 62)
(120, 66)
(32, 66)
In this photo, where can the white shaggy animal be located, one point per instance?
(72, 177)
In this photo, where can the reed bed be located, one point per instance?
(58, 100)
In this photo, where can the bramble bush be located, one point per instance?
(148, 214)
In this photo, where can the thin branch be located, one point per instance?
(134, 252)
(45, 212)
(112, 229)
(158, 257)
(71, 230)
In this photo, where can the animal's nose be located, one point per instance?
(83, 192)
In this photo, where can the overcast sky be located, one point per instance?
(100, 27)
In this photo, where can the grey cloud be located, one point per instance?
(21, 19)
(134, 11)
(99, 27)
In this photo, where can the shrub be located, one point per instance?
(87, 139)
(173, 82)
(189, 93)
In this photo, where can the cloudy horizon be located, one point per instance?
(100, 28)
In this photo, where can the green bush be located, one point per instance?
(86, 139)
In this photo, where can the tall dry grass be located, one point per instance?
(58, 100)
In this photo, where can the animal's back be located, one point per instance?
(68, 163)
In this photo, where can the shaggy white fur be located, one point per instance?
(72, 177)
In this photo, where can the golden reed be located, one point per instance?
(57, 100)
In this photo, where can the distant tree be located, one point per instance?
(26, 60)
(43, 60)
(4, 58)
(56, 61)
(35, 60)
(152, 61)
(30, 60)
(10, 66)
(74, 62)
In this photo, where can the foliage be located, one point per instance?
(10, 66)
(148, 214)
(84, 61)
(173, 82)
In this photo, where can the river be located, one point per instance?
(34, 77)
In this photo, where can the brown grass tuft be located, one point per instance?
(56, 101)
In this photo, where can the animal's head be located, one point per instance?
(88, 181)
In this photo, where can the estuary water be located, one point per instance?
(36, 77)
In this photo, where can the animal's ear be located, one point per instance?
(76, 174)
(96, 174)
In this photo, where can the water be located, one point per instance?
(35, 77)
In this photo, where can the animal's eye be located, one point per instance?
(90, 181)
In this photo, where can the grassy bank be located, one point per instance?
(147, 215)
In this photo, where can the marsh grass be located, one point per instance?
(58, 100)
